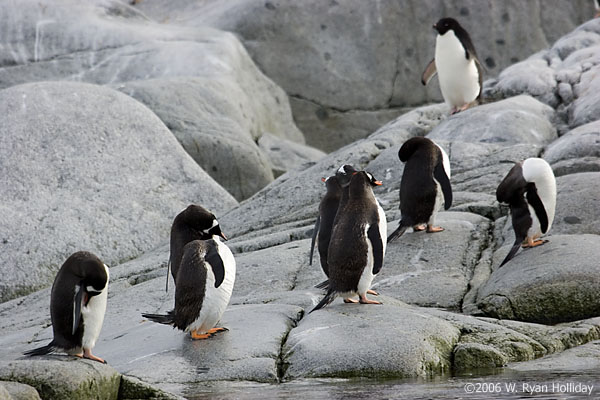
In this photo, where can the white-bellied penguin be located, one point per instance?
(203, 284)
(357, 246)
(77, 306)
(456, 64)
(193, 223)
(529, 189)
(425, 185)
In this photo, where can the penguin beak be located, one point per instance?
(434, 26)
(378, 183)
(354, 173)
(323, 179)
(223, 236)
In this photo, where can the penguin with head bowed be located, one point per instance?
(193, 223)
(529, 189)
(456, 64)
(357, 245)
(425, 185)
(203, 282)
(77, 306)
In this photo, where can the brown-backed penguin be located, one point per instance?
(193, 223)
(77, 306)
(203, 283)
(529, 188)
(456, 64)
(425, 184)
(357, 245)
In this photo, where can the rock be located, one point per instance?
(107, 182)
(340, 59)
(575, 360)
(585, 108)
(549, 284)
(516, 120)
(286, 155)
(473, 356)
(576, 151)
(17, 391)
(64, 379)
(332, 342)
(576, 204)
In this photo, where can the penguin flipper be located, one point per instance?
(398, 232)
(329, 297)
(166, 319)
(430, 72)
(323, 285)
(513, 250)
(314, 238)
(215, 261)
(77, 301)
(540, 211)
(40, 351)
(377, 247)
(439, 173)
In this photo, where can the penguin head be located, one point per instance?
(344, 174)
(90, 271)
(372, 181)
(446, 24)
(332, 182)
(200, 220)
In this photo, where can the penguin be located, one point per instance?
(193, 223)
(203, 283)
(425, 184)
(459, 70)
(77, 306)
(357, 246)
(529, 189)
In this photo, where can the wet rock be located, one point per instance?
(548, 284)
(473, 356)
(73, 178)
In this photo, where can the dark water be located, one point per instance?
(503, 385)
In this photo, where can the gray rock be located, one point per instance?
(586, 107)
(331, 342)
(576, 204)
(17, 391)
(579, 148)
(516, 120)
(548, 284)
(73, 178)
(574, 360)
(286, 155)
(64, 379)
(473, 356)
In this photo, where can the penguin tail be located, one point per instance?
(40, 351)
(402, 227)
(167, 319)
(512, 251)
(323, 285)
(329, 297)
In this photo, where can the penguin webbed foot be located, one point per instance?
(371, 291)
(348, 300)
(87, 353)
(364, 300)
(534, 243)
(419, 228)
(434, 229)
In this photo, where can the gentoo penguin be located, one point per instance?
(193, 223)
(529, 188)
(357, 245)
(456, 63)
(77, 306)
(203, 284)
(425, 184)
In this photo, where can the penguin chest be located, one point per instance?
(458, 76)
(92, 316)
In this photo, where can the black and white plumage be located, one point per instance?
(193, 223)
(425, 185)
(203, 285)
(459, 70)
(357, 246)
(529, 189)
(77, 306)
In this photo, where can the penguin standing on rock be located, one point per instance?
(529, 188)
(203, 281)
(425, 184)
(77, 306)
(357, 245)
(456, 63)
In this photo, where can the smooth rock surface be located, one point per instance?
(577, 204)
(285, 155)
(576, 151)
(17, 391)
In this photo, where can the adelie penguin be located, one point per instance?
(357, 246)
(425, 185)
(77, 306)
(529, 189)
(203, 280)
(456, 64)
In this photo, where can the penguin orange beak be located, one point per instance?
(378, 183)
(323, 179)
(223, 236)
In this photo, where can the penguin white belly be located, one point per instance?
(382, 226)
(540, 172)
(458, 77)
(215, 299)
(366, 277)
(439, 201)
(93, 316)
(534, 230)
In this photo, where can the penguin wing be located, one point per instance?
(430, 72)
(374, 236)
(77, 302)
(314, 238)
(533, 199)
(213, 258)
(511, 185)
(439, 173)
